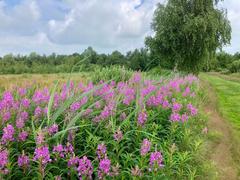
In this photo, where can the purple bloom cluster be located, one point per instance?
(23, 161)
(8, 134)
(53, 129)
(104, 168)
(3, 161)
(146, 146)
(101, 151)
(142, 118)
(42, 155)
(156, 161)
(111, 107)
(85, 167)
(22, 136)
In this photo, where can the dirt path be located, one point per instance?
(221, 154)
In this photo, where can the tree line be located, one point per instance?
(139, 59)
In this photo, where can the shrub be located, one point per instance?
(234, 67)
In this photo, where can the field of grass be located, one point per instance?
(42, 80)
(228, 92)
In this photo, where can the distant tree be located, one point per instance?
(224, 59)
(116, 58)
(91, 54)
(138, 59)
(236, 56)
(188, 33)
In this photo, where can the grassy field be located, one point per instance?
(228, 92)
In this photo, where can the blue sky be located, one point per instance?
(68, 26)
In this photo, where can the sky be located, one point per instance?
(68, 26)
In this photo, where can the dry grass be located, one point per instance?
(42, 80)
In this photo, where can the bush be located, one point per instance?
(234, 67)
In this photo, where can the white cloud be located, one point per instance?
(67, 26)
(101, 23)
(21, 19)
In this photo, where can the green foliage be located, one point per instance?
(86, 61)
(115, 73)
(234, 67)
(187, 33)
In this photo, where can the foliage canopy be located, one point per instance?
(188, 33)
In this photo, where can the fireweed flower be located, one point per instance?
(142, 118)
(59, 150)
(101, 151)
(129, 95)
(3, 158)
(53, 129)
(156, 161)
(25, 103)
(176, 107)
(87, 112)
(37, 112)
(184, 117)
(69, 149)
(73, 161)
(21, 119)
(22, 136)
(22, 91)
(40, 138)
(104, 168)
(23, 161)
(85, 167)
(77, 105)
(146, 146)
(192, 109)
(175, 117)
(42, 155)
(7, 99)
(3, 161)
(136, 78)
(118, 135)
(165, 104)
(8, 134)
(6, 116)
(108, 110)
(186, 92)
(98, 105)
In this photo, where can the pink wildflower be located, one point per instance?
(146, 146)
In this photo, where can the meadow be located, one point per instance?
(137, 126)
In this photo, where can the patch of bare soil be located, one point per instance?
(221, 154)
